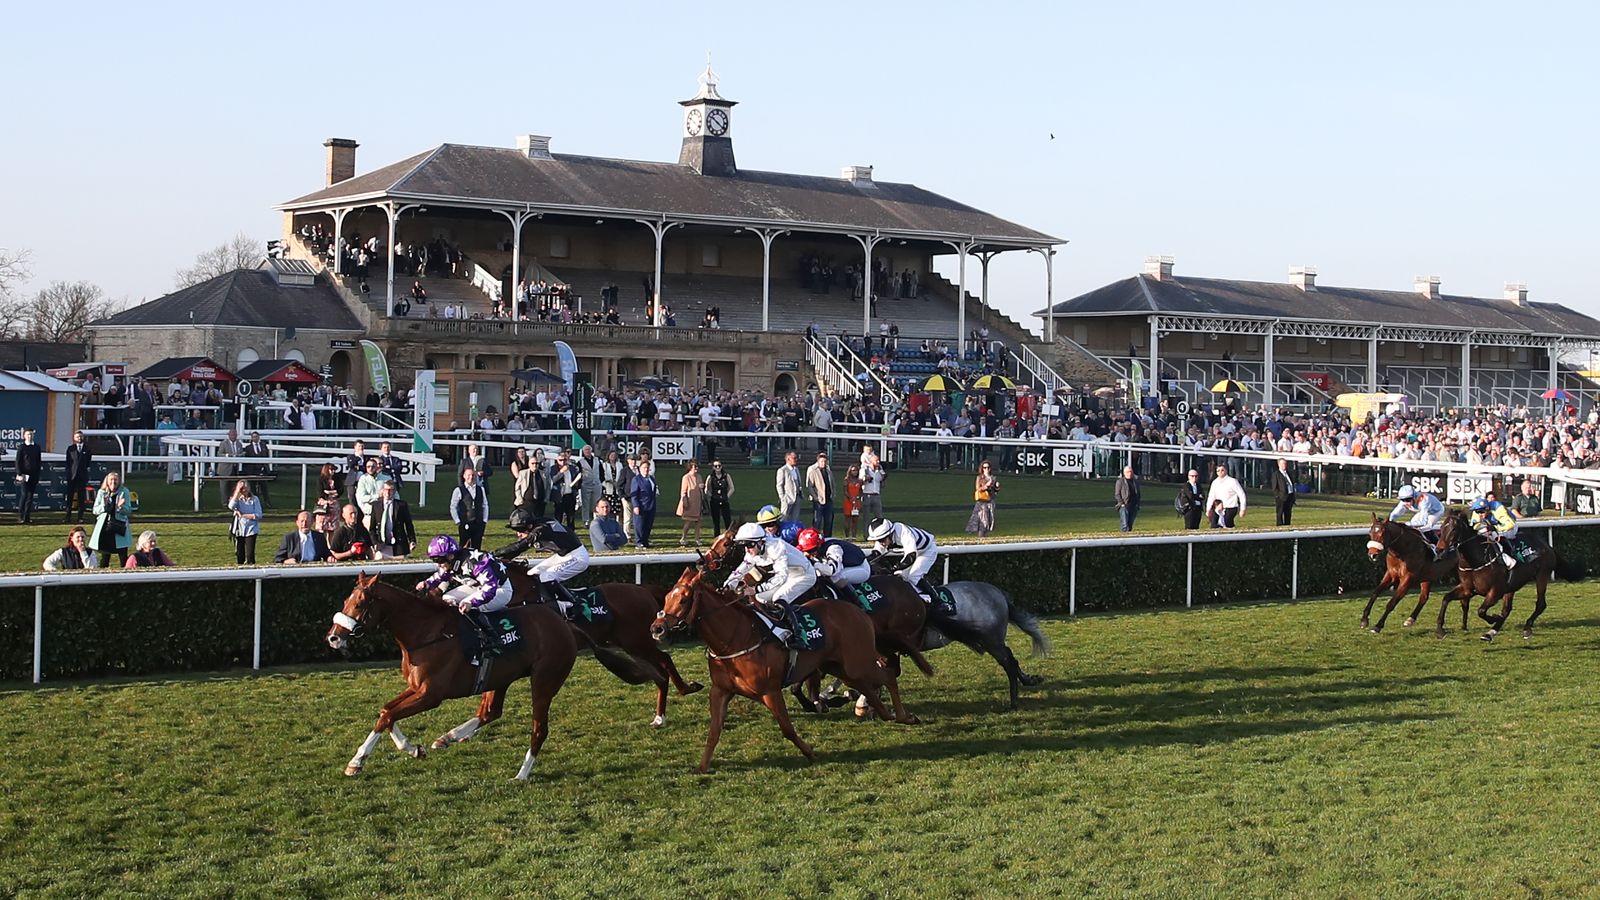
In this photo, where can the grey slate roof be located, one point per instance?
(593, 184)
(1142, 294)
(244, 298)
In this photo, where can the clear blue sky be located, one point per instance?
(1376, 141)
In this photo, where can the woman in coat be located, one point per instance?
(691, 503)
(113, 515)
(984, 487)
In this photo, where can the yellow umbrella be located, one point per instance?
(941, 383)
(1228, 386)
(989, 382)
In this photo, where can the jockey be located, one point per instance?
(839, 561)
(1491, 520)
(1426, 510)
(473, 582)
(769, 519)
(910, 551)
(568, 557)
(789, 576)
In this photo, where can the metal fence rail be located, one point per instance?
(262, 574)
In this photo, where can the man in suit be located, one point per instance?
(589, 482)
(819, 487)
(642, 498)
(29, 466)
(388, 463)
(1283, 492)
(615, 479)
(469, 509)
(227, 447)
(257, 448)
(78, 461)
(392, 530)
(788, 482)
(302, 545)
(355, 465)
(1191, 501)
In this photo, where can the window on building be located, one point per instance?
(247, 356)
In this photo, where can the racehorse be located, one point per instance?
(1482, 572)
(898, 622)
(1409, 561)
(436, 669)
(744, 658)
(982, 612)
(633, 610)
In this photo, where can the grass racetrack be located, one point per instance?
(1264, 750)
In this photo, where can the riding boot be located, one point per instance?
(926, 590)
(480, 624)
(1508, 559)
(551, 592)
(780, 615)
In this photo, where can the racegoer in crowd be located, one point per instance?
(474, 583)
(568, 557)
(840, 561)
(911, 552)
(789, 574)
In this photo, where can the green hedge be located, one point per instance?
(145, 628)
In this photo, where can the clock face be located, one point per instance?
(691, 122)
(717, 122)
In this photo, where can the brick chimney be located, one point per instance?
(1304, 278)
(534, 146)
(1427, 286)
(341, 159)
(1158, 267)
(1517, 293)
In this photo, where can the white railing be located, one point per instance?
(1043, 375)
(261, 574)
(831, 371)
(841, 348)
(486, 282)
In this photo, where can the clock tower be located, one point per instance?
(707, 127)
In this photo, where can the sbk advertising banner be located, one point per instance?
(661, 449)
(1457, 488)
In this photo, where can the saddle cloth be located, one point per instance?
(591, 607)
(504, 635)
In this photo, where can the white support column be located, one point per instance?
(338, 232)
(517, 220)
(962, 248)
(867, 242)
(1270, 344)
(1155, 356)
(1372, 362)
(1050, 294)
(767, 236)
(393, 211)
(983, 261)
(1464, 400)
(659, 229)
(1554, 352)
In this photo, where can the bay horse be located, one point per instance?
(745, 659)
(1482, 572)
(436, 669)
(1409, 561)
(898, 622)
(633, 611)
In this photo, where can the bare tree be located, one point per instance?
(13, 311)
(242, 252)
(61, 313)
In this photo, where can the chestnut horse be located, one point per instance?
(436, 670)
(1409, 560)
(633, 611)
(744, 658)
(1482, 572)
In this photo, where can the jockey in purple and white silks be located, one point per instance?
(474, 581)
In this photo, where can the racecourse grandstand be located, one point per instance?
(1304, 343)
(476, 257)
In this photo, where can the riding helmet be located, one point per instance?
(442, 548)
(520, 520)
(880, 530)
(1407, 492)
(808, 540)
(749, 533)
(767, 515)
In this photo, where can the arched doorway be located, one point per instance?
(783, 385)
(340, 361)
(247, 356)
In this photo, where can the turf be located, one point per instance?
(1264, 750)
(1028, 506)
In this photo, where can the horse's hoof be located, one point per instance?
(1439, 633)
(693, 687)
(1410, 622)
(1527, 634)
(416, 752)
(441, 743)
(658, 721)
(1487, 637)
(1364, 625)
(910, 719)
(352, 770)
(1374, 630)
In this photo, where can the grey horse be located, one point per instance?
(982, 613)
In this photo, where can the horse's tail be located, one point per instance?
(1025, 620)
(1570, 569)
